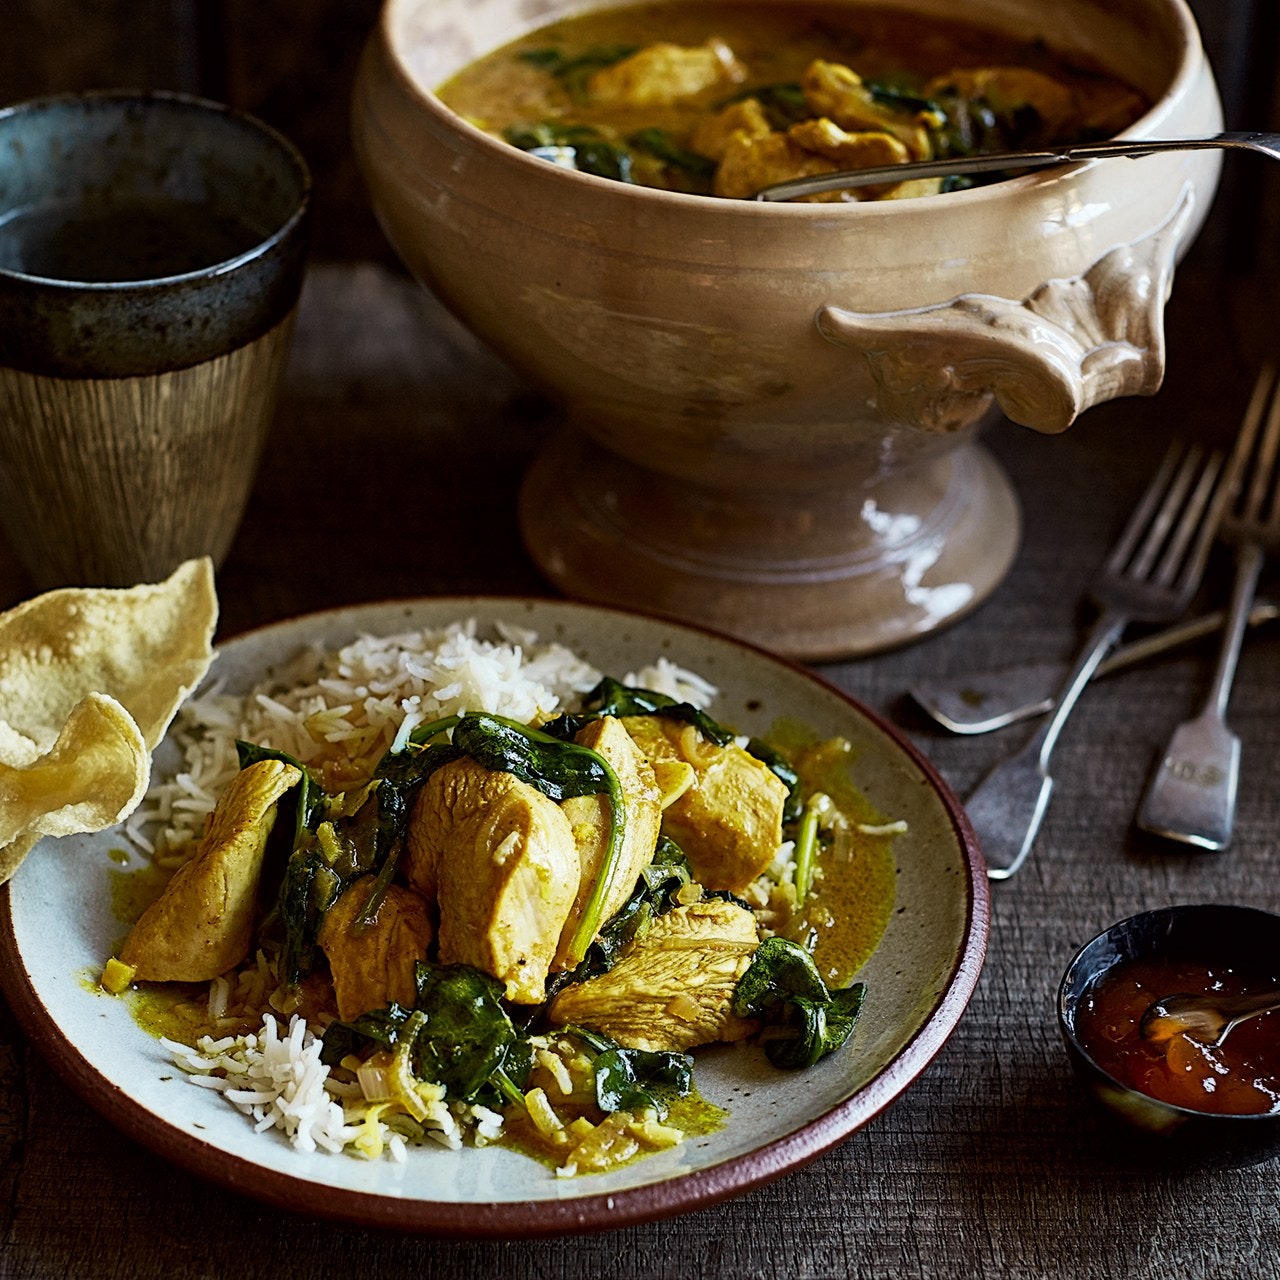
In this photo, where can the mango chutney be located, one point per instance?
(1239, 1077)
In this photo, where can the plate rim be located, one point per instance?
(668, 1197)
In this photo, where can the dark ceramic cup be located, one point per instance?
(152, 248)
(1220, 936)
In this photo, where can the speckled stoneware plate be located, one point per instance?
(57, 928)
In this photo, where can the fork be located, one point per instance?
(1149, 576)
(1192, 793)
(984, 701)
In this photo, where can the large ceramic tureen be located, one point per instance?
(771, 409)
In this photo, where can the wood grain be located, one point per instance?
(113, 481)
(993, 1164)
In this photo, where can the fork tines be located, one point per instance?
(1183, 500)
(1257, 503)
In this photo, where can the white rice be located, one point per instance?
(355, 703)
(352, 704)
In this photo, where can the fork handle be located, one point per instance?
(1106, 631)
(1191, 794)
(1009, 804)
(1249, 561)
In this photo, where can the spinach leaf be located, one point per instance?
(308, 885)
(778, 971)
(465, 1039)
(378, 1029)
(572, 147)
(665, 876)
(803, 1020)
(557, 768)
(898, 97)
(398, 776)
(310, 888)
(573, 71)
(784, 103)
(468, 1035)
(659, 142)
(422, 734)
(635, 1079)
(613, 698)
(973, 126)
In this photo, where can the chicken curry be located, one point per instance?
(725, 99)
(503, 908)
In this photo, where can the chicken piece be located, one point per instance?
(202, 924)
(714, 133)
(751, 163)
(729, 823)
(673, 987)
(867, 150)
(838, 92)
(861, 151)
(662, 74)
(373, 966)
(498, 858)
(589, 817)
(1007, 89)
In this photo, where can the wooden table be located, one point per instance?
(392, 471)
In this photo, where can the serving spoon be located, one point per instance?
(1266, 144)
(1207, 1018)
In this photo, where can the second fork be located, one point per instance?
(1192, 794)
(1150, 576)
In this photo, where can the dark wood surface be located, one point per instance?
(392, 471)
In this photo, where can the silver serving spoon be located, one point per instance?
(1207, 1018)
(1266, 144)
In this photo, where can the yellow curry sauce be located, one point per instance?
(544, 80)
(846, 915)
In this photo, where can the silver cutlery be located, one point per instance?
(1150, 576)
(984, 701)
(1267, 144)
(1191, 796)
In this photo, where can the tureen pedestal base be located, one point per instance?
(813, 576)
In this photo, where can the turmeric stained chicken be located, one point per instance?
(589, 818)
(729, 822)
(202, 925)
(372, 960)
(499, 860)
(673, 987)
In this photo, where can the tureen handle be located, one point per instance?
(1071, 344)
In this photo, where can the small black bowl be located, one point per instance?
(1243, 938)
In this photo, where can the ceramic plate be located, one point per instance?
(57, 927)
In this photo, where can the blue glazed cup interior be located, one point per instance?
(242, 191)
(95, 151)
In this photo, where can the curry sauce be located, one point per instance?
(708, 98)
